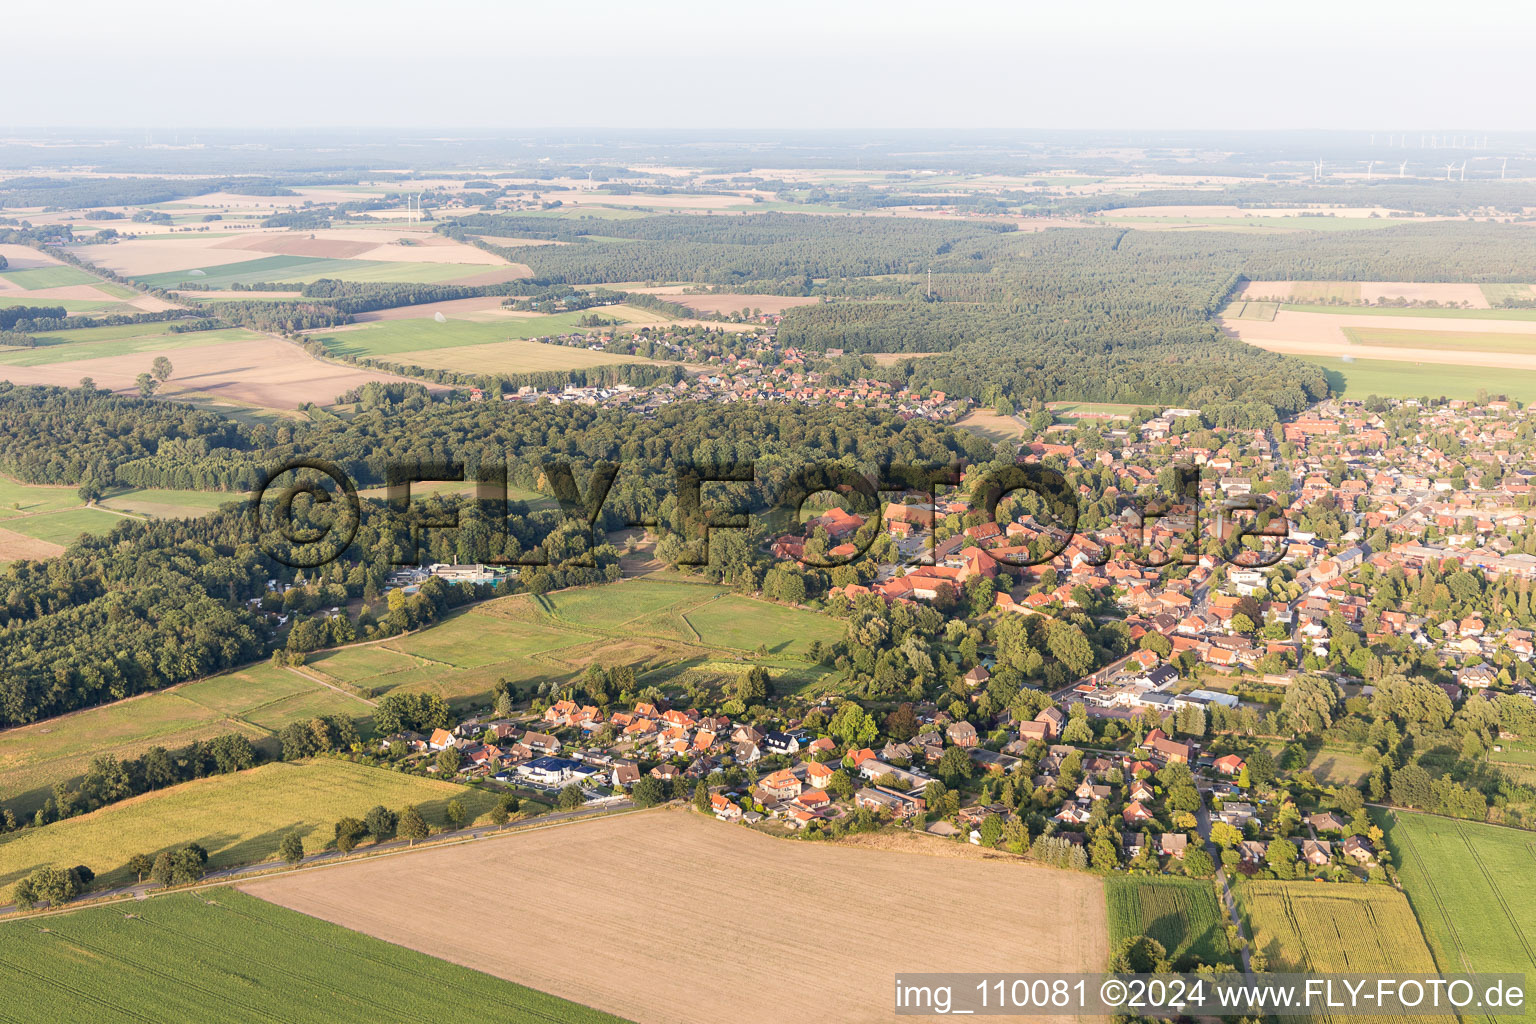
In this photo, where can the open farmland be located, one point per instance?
(1181, 913)
(231, 366)
(419, 336)
(1356, 292)
(623, 878)
(1451, 341)
(238, 818)
(304, 269)
(1357, 378)
(1473, 888)
(663, 628)
(238, 959)
(255, 701)
(1314, 927)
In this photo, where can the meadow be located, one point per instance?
(304, 269)
(1472, 887)
(665, 629)
(1497, 293)
(1386, 378)
(238, 818)
(1464, 341)
(59, 276)
(169, 504)
(255, 701)
(385, 338)
(1181, 913)
(221, 956)
(64, 527)
(87, 343)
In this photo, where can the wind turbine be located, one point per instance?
(1463, 170)
(1448, 169)
(1369, 164)
(1317, 171)
(1401, 168)
(1501, 168)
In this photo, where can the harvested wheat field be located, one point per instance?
(16, 546)
(1326, 334)
(263, 372)
(711, 922)
(1446, 294)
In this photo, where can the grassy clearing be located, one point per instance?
(1465, 341)
(1472, 887)
(1251, 310)
(1181, 913)
(991, 426)
(390, 337)
(1325, 291)
(238, 818)
(17, 498)
(663, 628)
(1393, 379)
(37, 278)
(236, 959)
(170, 504)
(1316, 927)
(66, 526)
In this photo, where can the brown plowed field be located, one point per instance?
(669, 916)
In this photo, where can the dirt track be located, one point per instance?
(671, 917)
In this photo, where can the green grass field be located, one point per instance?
(1497, 293)
(1473, 888)
(304, 269)
(1418, 311)
(64, 527)
(103, 342)
(222, 957)
(1452, 341)
(255, 701)
(662, 628)
(37, 278)
(1391, 379)
(391, 337)
(1251, 310)
(1181, 913)
(17, 498)
(170, 504)
(238, 818)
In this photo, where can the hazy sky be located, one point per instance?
(782, 64)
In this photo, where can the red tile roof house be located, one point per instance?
(1053, 720)
(1231, 764)
(818, 774)
(1135, 812)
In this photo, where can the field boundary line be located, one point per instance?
(328, 685)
